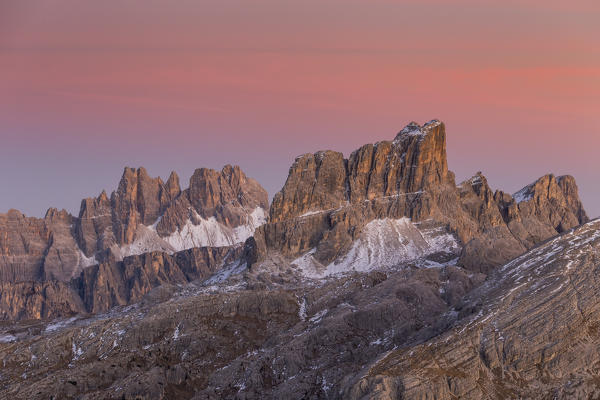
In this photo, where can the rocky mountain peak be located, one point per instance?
(53, 214)
(103, 197)
(315, 182)
(327, 202)
(221, 194)
(139, 199)
(414, 161)
(414, 129)
(554, 200)
(172, 185)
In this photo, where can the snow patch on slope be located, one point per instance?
(86, 261)
(383, 243)
(524, 194)
(235, 268)
(209, 232)
(146, 240)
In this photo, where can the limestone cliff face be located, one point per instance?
(412, 163)
(327, 200)
(23, 242)
(508, 226)
(315, 182)
(94, 226)
(139, 199)
(62, 258)
(37, 249)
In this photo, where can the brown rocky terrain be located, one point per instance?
(263, 334)
(529, 331)
(375, 276)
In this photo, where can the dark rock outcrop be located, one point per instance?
(119, 283)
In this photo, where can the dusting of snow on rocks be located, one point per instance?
(413, 129)
(524, 194)
(235, 268)
(383, 243)
(7, 338)
(86, 261)
(59, 324)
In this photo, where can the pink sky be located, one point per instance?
(87, 88)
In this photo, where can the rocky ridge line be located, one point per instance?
(327, 201)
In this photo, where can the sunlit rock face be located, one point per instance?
(328, 201)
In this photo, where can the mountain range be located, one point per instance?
(376, 276)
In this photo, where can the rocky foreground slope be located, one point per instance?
(530, 331)
(363, 266)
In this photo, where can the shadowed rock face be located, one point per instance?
(38, 300)
(60, 265)
(111, 283)
(327, 201)
(37, 249)
(120, 283)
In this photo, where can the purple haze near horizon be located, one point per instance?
(87, 88)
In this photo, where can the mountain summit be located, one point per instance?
(327, 202)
